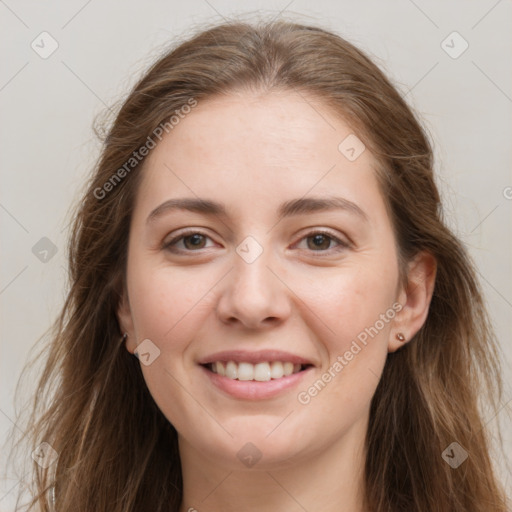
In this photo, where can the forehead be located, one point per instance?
(247, 149)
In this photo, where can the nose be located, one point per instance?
(254, 295)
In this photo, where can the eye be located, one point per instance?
(316, 241)
(190, 240)
(320, 241)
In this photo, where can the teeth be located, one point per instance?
(245, 371)
(220, 368)
(261, 372)
(276, 370)
(287, 369)
(231, 370)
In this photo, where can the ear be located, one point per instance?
(124, 318)
(415, 297)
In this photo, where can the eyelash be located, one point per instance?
(169, 245)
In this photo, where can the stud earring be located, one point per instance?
(125, 337)
(400, 337)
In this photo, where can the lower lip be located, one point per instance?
(255, 390)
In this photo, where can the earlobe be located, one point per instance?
(128, 343)
(415, 297)
(124, 318)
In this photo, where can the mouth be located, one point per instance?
(255, 375)
(263, 371)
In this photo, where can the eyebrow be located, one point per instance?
(290, 208)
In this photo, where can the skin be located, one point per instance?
(252, 152)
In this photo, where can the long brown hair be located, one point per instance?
(116, 450)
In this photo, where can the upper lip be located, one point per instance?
(245, 356)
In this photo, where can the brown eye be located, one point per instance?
(323, 242)
(195, 241)
(190, 241)
(319, 241)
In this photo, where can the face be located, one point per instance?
(287, 265)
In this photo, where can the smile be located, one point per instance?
(261, 372)
(255, 375)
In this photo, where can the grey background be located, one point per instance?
(48, 106)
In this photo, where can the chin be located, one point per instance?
(255, 448)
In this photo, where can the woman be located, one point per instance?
(266, 310)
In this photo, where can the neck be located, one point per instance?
(331, 480)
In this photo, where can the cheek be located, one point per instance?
(351, 303)
(166, 304)
(358, 311)
(165, 300)
(357, 308)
